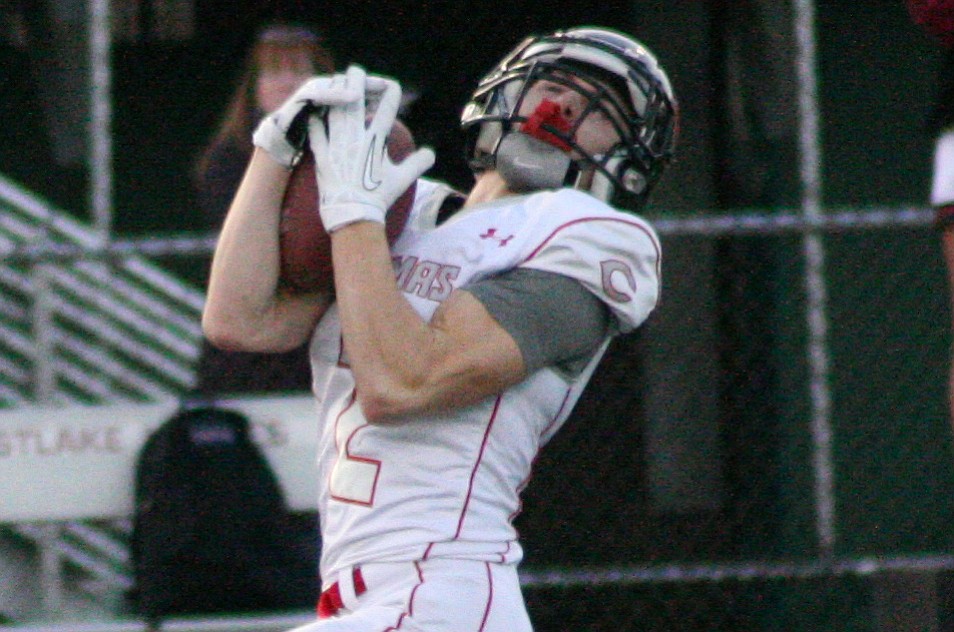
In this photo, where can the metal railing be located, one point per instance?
(86, 329)
(144, 321)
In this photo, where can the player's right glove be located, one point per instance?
(356, 179)
(283, 133)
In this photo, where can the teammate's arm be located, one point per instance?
(245, 309)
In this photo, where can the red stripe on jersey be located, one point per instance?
(526, 481)
(341, 362)
(410, 601)
(490, 598)
(473, 472)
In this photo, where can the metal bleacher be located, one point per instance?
(120, 328)
(85, 330)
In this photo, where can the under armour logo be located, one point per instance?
(492, 234)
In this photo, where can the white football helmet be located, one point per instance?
(629, 87)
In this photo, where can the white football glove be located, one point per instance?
(283, 132)
(356, 179)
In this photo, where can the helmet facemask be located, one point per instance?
(624, 88)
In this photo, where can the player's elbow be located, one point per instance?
(231, 334)
(384, 402)
(383, 405)
(389, 398)
(222, 333)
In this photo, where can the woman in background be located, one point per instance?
(282, 58)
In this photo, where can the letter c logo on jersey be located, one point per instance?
(609, 268)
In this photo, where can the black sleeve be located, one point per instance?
(218, 184)
(553, 319)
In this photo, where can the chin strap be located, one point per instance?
(535, 157)
(528, 164)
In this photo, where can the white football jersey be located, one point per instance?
(448, 484)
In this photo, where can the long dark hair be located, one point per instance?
(273, 41)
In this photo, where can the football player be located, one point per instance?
(441, 366)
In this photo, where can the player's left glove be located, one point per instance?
(356, 179)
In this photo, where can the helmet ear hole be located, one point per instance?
(633, 181)
(630, 179)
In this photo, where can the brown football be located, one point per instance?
(305, 246)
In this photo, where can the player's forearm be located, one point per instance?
(244, 309)
(387, 342)
(393, 353)
(402, 364)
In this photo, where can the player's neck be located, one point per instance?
(489, 186)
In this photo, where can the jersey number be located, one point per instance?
(353, 478)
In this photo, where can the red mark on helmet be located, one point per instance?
(548, 115)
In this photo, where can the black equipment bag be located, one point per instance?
(211, 531)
